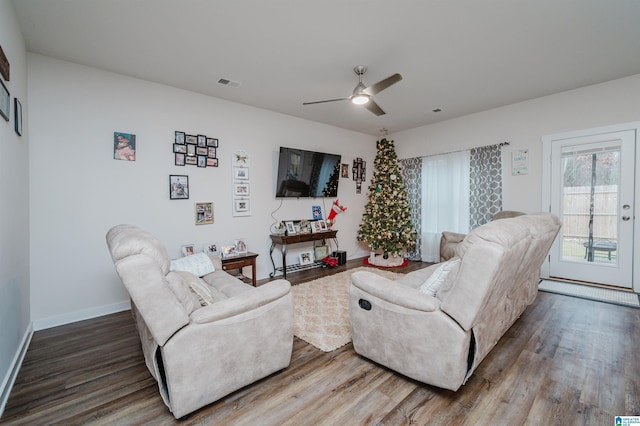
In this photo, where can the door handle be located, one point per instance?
(626, 218)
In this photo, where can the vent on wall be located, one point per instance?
(229, 83)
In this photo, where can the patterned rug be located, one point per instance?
(321, 309)
(600, 294)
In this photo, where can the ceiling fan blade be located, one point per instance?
(321, 102)
(382, 84)
(374, 108)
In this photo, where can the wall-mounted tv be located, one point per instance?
(304, 173)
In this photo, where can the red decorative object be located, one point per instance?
(330, 261)
(336, 209)
(404, 263)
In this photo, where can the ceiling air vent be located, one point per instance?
(229, 83)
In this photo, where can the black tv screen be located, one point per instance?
(304, 173)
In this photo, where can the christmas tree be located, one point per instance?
(386, 222)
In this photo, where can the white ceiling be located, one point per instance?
(460, 56)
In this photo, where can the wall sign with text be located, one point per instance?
(520, 162)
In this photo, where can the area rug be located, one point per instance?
(600, 294)
(321, 309)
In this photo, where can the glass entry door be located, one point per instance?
(592, 190)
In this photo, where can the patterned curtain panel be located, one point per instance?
(411, 169)
(485, 184)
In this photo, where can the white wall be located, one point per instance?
(14, 209)
(523, 124)
(78, 191)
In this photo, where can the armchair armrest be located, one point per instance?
(393, 292)
(244, 302)
(448, 243)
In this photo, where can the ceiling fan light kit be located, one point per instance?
(359, 99)
(362, 94)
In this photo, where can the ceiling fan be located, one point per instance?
(362, 94)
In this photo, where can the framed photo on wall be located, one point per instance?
(178, 187)
(241, 173)
(5, 101)
(241, 205)
(241, 189)
(124, 146)
(204, 213)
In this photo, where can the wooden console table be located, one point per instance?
(240, 261)
(284, 240)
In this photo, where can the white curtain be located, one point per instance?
(445, 199)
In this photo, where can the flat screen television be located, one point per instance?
(304, 173)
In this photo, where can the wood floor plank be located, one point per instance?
(565, 361)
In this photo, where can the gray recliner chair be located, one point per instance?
(439, 334)
(202, 337)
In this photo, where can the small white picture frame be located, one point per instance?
(323, 225)
(188, 249)
(241, 173)
(211, 248)
(241, 189)
(306, 258)
(228, 251)
(241, 245)
(291, 228)
(241, 205)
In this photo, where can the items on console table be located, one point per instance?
(240, 261)
(284, 240)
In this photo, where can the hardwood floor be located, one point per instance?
(565, 361)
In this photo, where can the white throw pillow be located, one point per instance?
(198, 264)
(433, 284)
(180, 287)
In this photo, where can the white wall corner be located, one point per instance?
(16, 363)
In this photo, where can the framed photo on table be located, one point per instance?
(306, 258)
(211, 249)
(241, 246)
(188, 249)
(291, 228)
(321, 252)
